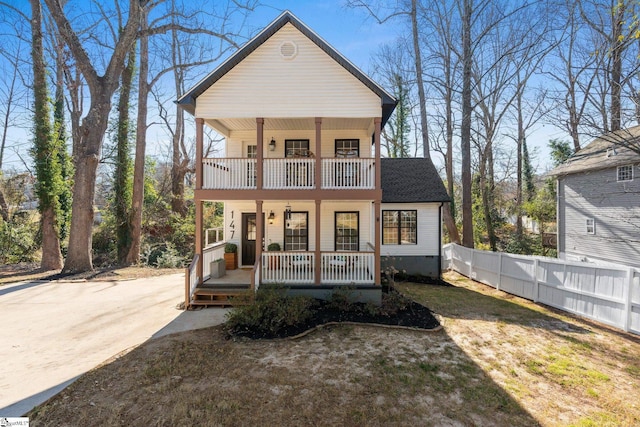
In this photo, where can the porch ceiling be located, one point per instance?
(225, 126)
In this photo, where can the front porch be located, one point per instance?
(297, 271)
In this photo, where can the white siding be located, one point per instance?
(428, 229)
(614, 207)
(265, 84)
(237, 142)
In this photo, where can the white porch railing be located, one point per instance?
(212, 236)
(287, 267)
(190, 280)
(290, 173)
(229, 174)
(209, 254)
(338, 268)
(348, 173)
(347, 267)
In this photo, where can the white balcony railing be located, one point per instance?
(348, 173)
(288, 173)
(298, 173)
(229, 174)
(338, 268)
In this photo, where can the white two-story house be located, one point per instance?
(302, 169)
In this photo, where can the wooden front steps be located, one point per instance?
(221, 295)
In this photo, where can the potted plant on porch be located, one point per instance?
(231, 256)
(274, 262)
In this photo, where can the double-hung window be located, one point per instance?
(590, 226)
(399, 227)
(296, 231)
(347, 236)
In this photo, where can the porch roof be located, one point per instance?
(188, 100)
(411, 180)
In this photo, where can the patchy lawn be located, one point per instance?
(498, 361)
(12, 273)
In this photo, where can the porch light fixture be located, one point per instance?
(271, 217)
(287, 211)
(272, 144)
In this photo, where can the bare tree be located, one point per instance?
(93, 127)
(45, 149)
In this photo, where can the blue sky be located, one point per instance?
(350, 31)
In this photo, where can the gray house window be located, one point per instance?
(625, 173)
(591, 226)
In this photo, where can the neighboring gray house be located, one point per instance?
(599, 201)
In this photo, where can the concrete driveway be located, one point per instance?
(53, 332)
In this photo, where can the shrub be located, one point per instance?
(270, 314)
(230, 248)
(19, 239)
(274, 247)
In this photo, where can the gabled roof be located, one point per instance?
(603, 152)
(408, 180)
(187, 101)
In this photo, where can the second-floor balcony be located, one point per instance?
(288, 173)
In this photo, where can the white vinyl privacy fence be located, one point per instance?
(607, 294)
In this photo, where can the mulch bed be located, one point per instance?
(396, 310)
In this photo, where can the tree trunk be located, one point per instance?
(51, 254)
(86, 163)
(133, 255)
(616, 67)
(519, 167)
(419, 80)
(465, 131)
(122, 182)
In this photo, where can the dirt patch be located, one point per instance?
(498, 361)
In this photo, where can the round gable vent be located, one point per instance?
(288, 49)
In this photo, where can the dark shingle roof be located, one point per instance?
(409, 180)
(187, 101)
(606, 151)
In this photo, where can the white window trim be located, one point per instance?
(590, 223)
(618, 173)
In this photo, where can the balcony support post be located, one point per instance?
(198, 201)
(260, 151)
(317, 261)
(318, 174)
(259, 238)
(376, 203)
